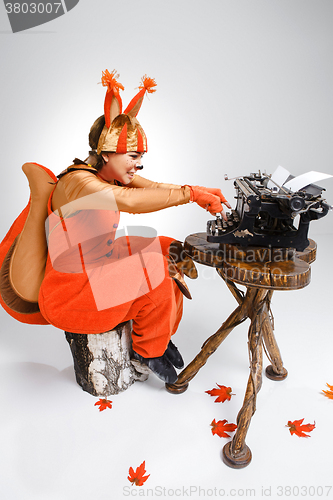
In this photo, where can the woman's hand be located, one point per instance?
(216, 192)
(210, 199)
(207, 200)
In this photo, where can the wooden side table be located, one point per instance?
(261, 271)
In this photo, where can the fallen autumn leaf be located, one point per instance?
(103, 404)
(223, 393)
(297, 428)
(221, 428)
(329, 394)
(138, 477)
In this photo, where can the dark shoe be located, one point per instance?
(161, 366)
(174, 355)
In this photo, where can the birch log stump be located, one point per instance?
(102, 361)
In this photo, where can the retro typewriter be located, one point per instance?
(266, 214)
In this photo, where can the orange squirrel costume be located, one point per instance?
(85, 280)
(64, 296)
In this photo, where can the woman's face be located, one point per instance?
(120, 167)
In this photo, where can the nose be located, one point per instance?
(138, 166)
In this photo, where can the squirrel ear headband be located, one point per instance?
(122, 131)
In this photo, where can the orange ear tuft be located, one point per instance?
(110, 80)
(134, 106)
(148, 84)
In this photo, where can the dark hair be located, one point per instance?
(96, 160)
(96, 131)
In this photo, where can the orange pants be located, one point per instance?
(96, 300)
(156, 314)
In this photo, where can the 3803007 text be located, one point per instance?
(32, 7)
(301, 491)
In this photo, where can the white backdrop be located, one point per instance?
(242, 85)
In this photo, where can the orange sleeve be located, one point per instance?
(141, 182)
(77, 187)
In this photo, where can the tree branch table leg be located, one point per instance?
(211, 344)
(236, 453)
(232, 287)
(276, 370)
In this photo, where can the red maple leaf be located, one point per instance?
(103, 404)
(329, 394)
(138, 477)
(221, 428)
(297, 428)
(223, 393)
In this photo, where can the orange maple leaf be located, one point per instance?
(223, 393)
(221, 428)
(103, 404)
(329, 394)
(297, 428)
(138, 477)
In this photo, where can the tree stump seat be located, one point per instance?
(102, 361)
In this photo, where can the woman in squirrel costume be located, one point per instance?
(93, 280)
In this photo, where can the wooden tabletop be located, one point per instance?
(260, 267)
